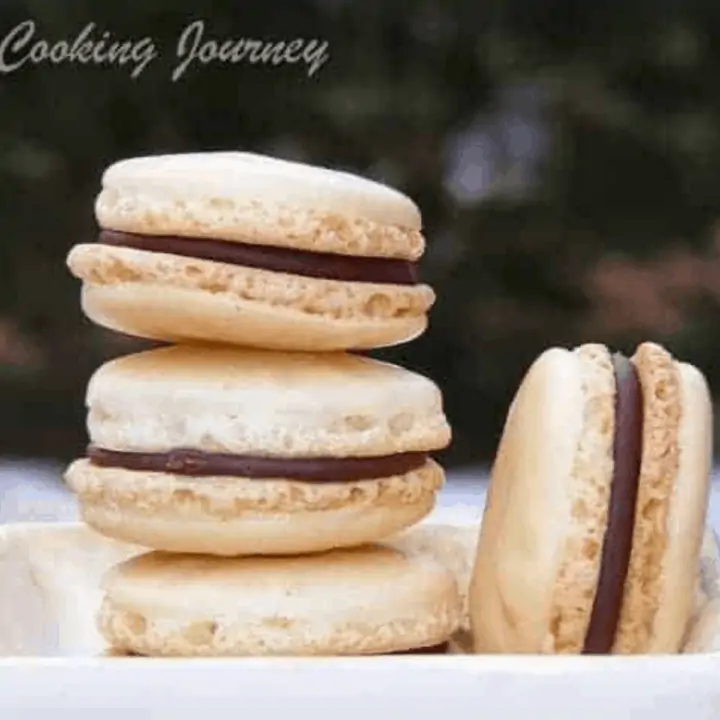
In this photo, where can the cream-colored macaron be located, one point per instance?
(361, 601)
(228, 451)
(243, 249)
(570, 557)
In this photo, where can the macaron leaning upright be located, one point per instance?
(242, 249)
(594, 518)
(231, 451)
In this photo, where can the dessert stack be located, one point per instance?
(257, 457)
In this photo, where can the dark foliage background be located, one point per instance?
(565, 154)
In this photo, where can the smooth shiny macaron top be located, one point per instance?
(237, 175)
(249, 198)
(242, 401)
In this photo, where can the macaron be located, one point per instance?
(243, 249)
(232, 451)
(591, 535)
(366, 600)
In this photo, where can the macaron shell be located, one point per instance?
(588, 489)
(528, 513)
(178, 299)
(251, 198)
(371, 599)
(257, 402)
(672, 505)
(240, 516)
(688, 511)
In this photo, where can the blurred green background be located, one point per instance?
(565, 155)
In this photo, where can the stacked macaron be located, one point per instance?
(253, 251)
(257, 458)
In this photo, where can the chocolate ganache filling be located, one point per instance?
(442, 649)
(196, 463)
(327, 266)
(617, 545)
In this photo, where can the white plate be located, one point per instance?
(461, 688)
(47, 601)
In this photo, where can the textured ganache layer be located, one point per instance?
(617, 545)
(323, 265)
(198, 464)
